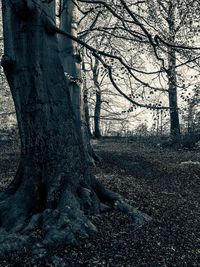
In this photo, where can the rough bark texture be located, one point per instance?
(53, 189)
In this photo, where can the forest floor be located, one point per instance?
(164, 183)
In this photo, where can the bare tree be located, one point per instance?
(163, 28)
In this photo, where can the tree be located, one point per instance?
(171, 73)
(70, 55)
(54, 188)
(71, 61)
(7, 111)
(97, 111)
(168, 18)
(162, 28)
(85, 102)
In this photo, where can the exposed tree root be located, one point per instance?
(117, 202)
(60, 225)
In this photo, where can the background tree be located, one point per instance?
(172, 20)
(149, 23)
(97, 111)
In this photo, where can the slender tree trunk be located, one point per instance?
(174, 114)
(190, 118)
(85, 103)
(71, 61)
(70, 56)
(97, 110)
(54, 188)
(171, 74)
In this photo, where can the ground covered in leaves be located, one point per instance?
(164, 183)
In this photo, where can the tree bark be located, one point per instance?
(171, 74)
(174, 114)
(53, 189)
(71, 61)
(85, 103)
(70, 56)
(97, 113)
(97, 110)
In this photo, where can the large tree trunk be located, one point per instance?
(52, 162)
(53, 188)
